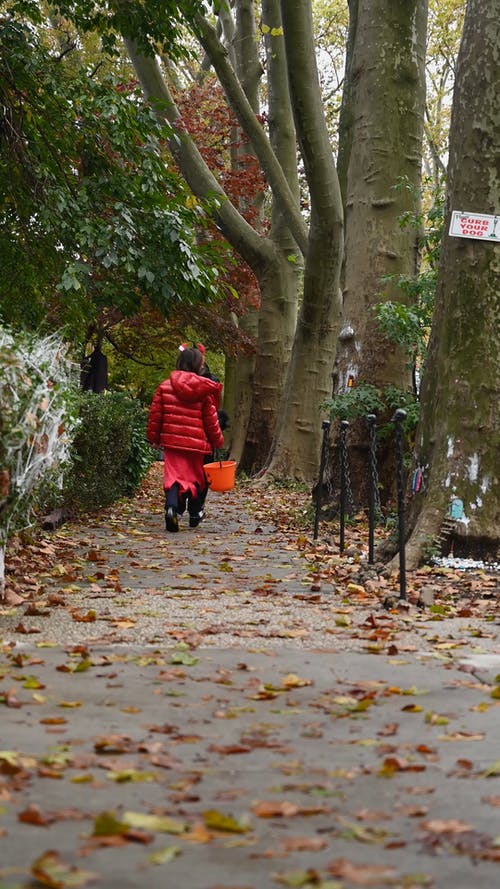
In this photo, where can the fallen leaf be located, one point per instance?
(360, 874)
(33, 815)
(163, 856)
(285, 809)
(156, 823)
(50, 870)
(218, 821)
(303, 844)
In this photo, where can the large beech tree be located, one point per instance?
(381, 130)
(458, 439)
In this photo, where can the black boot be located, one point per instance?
(171, 520)
(171, 504)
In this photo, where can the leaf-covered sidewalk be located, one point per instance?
(232, 707)
(249, 574)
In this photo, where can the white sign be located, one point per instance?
(475, 225)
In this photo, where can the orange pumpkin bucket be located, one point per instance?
(221, 475)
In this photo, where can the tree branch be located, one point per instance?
(240, 234)
(283, 195)
(308, 110)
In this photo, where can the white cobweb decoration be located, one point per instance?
(36, 427)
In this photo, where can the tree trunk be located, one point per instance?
(458, 439)
(381, 131)
(239, 410)
(276, 327)
(280, 283)
(296, 448)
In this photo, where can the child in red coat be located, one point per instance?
(183, 422)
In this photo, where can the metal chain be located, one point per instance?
(374, 476)
(344, 456)
(328, 475)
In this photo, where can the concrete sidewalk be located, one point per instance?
(318, 762)
(247, 723)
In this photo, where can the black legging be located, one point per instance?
(178, 501)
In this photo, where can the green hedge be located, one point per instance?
(110, 452)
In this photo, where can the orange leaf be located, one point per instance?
(33, 815)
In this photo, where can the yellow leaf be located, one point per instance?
(160, 824)
(355, 588)
(106, 824)
(436, 719)
(132, 775)
(163, 856)
(51, 871)
(293, 681)
(217, 821)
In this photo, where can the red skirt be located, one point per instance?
(185, 468)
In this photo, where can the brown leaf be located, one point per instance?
(10, 700)
(50, 870)
(228, 749)
(393, 764)
(285, 809)
(303, 844)
(371, 815)
(112, 744)
(87, 618)
(33, 815)
(360, 874)
(412, 811)
(450, 826)
(391, 728)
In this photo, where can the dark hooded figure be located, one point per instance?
(94, 375)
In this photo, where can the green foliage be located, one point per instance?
(355, 403)
(408, 323)
(396, 398)
(364, 398)
(149, 23)
(91, 214)
(110, 452)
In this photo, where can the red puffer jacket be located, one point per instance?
(183, 414)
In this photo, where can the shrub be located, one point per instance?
(110, 451)
(365, 398)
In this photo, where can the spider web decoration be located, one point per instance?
(36, 425)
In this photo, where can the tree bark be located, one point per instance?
(458, 438)
(279, 284)
(296, 448)
(381, 130)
